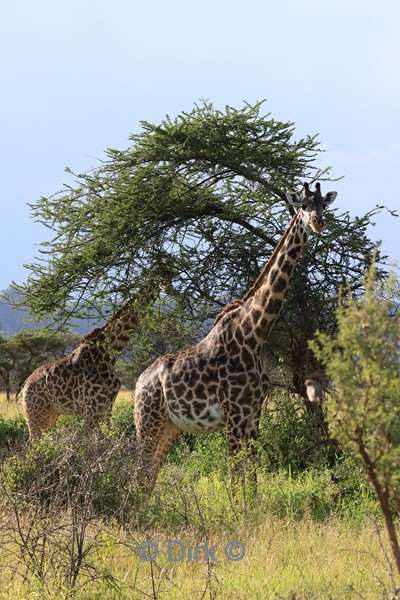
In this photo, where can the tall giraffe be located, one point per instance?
(222, 380)
(84, 382)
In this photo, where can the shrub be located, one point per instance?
(13, 434)
(363, 362)
(69, 466)
(290, 439)
(122, 422)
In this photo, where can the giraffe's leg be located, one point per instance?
(253, 427)
(236, 450)
(155, 433)
(90, 423)
(109, 404)
(234, 430)
(104, 414)
(166, 440)
(93, 415)
(154, 442)
(107, 418)
(40, 421)
(242, 426)
(233, 435)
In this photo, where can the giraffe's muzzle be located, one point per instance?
(317, 224)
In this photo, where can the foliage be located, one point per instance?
(13, 434)
(122, 423)
(202, 455)
(291, 439)
(78, 511)
(363, 362)
(287, 447)
(165, 331)
(67, 463)
(294, 516)
(26, 350)
(53, 470)
(208, 189)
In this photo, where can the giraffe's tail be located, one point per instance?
(18, 391)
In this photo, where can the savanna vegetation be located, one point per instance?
(207, 190)
(72, 517)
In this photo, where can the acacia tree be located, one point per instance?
(207, 188)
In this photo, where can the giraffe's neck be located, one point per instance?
(126, 319)
(115, 334)
(113, 337)
(263, 302)
(119, 329)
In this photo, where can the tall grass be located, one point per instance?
(284, 559)
(9, 409)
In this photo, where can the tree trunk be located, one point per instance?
(383, 497)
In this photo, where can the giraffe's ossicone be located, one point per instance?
(221, 382)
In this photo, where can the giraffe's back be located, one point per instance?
(72, 384)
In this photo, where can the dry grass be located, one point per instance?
(9, 409)
(283, 560)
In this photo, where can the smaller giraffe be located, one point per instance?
(84, 382)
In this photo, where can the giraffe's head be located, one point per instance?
(312, 205)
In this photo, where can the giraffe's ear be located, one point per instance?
(294, 198)
(329, 198)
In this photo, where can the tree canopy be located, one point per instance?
(208, 189)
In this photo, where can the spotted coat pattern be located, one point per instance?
(84, 382)
(221, 382)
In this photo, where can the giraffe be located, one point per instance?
(84, 382)
(221, 381)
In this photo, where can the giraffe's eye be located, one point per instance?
(304, 206)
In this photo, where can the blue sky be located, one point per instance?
(78, 76)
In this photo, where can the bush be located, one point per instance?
(293, 473)
(69, 466)
(13, 434)
(122, 422)
(290, 439)
(201, 455)
(363, 363)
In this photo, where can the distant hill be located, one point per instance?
(14, 319)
